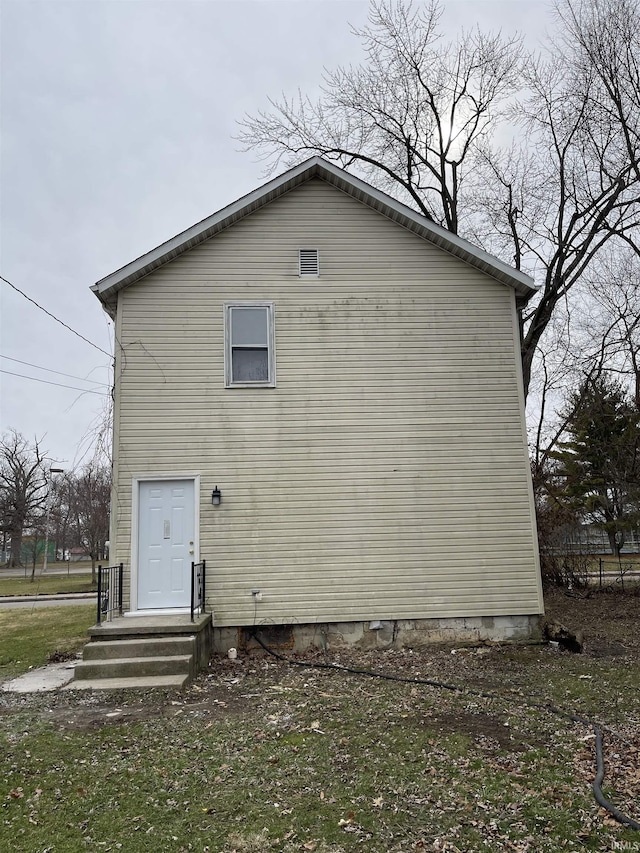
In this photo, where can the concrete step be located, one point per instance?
(148, 682)
(139, 648)
(163, 651)
(146, 627)
(135, 667)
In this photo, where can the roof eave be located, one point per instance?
(107, 288)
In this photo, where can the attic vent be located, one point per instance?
(309, 263)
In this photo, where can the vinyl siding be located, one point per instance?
(386, 475)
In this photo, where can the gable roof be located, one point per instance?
(316, 167)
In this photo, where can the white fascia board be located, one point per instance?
(431, 231)
(107, 288)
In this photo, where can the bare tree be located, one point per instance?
(572, 186)
(35, 541)
(91, 493)
(95, 445)
(60, 511)
(612, 341)
(420, 118)
(604, 36)
(409, 118)
(587, 186)
(23, 487)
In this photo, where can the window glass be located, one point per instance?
(249, 327)
(249, 365)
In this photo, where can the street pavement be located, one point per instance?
(52, 569)
(10, 601)
(60, 600)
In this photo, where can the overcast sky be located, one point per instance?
(117, 121)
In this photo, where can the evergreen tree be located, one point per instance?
(599, 463)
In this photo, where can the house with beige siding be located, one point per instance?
(318, 392)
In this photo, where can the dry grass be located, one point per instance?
(31, 635)
(47, 584)
(260, 755)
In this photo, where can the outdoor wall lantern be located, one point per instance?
(216, 497)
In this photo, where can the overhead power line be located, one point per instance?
(59, 385)
(53, 317)
(58, 372)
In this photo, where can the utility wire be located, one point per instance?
(53, 317)
(59, 385)
(59, 372)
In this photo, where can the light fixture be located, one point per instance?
(216, 497)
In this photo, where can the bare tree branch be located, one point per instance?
(420, 118)
(23, 488)
(410, 117)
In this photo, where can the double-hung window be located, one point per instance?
(249, 345)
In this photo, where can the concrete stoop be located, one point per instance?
(144, 652)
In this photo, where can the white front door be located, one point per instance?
(166, 534)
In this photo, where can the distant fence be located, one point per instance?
(582, 567)
(589, 539)
(614, 573)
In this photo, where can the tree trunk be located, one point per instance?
(616, 542)
(15, 560)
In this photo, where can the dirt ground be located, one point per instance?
(497, 695)
(609, 621)
(609, 624)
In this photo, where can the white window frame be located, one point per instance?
(270, 382)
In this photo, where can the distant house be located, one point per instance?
(345, 376)
(77, 555)
(591, 539)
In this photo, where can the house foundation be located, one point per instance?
(380, 634)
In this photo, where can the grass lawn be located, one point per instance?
(47, 585)
(30, 635)
(259, 755)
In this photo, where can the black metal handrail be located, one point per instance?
(198, 587)
(109, 592)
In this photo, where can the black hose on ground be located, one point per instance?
(597, 790)
(597, 782)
